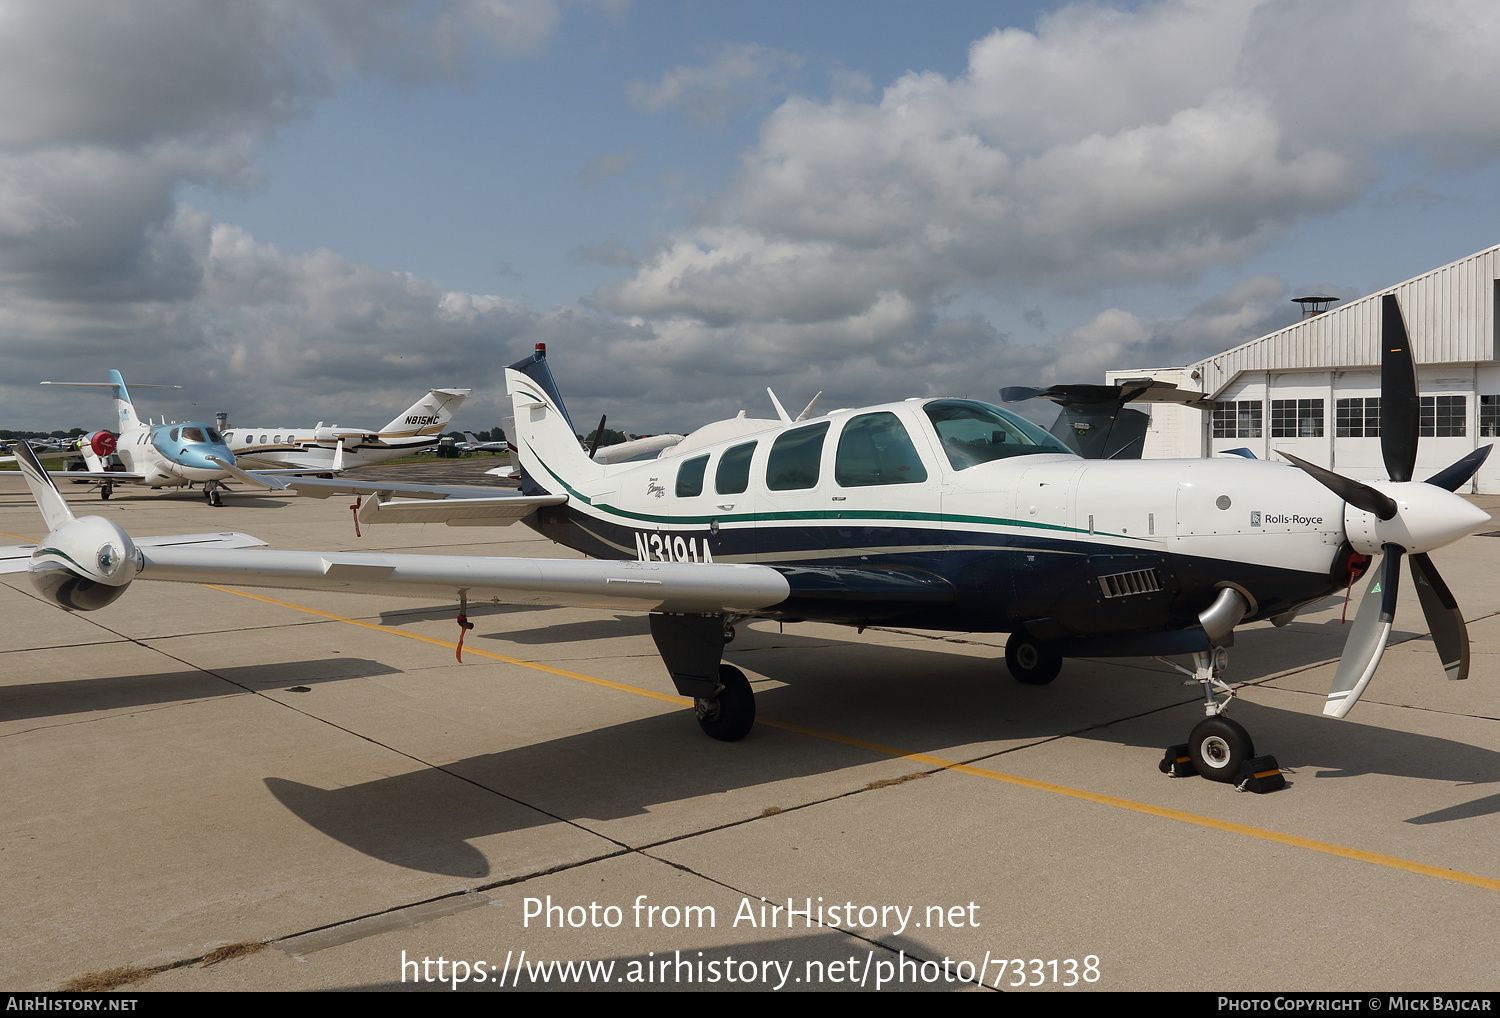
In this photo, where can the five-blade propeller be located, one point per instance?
(1404, 518)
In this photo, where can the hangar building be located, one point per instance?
(1313, 388)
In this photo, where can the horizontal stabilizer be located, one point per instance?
(499, 511)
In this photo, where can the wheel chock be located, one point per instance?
(1260, 775)
(1176, 763)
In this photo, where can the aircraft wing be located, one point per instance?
(641, 586)
(462, 511)
(79, 475)
(14, 558)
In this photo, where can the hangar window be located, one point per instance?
(690, 477)
(733, 475)
(875, 449)
(1296, 418)
(1444, 416)
(1357, 418)
(794, 460)
(1237, 419)
(1489, 416)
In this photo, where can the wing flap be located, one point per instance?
(641, 586)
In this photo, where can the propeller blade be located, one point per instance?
(1359, 495)
(1452, 476)
(1400, 411)
(1367, 640)
(1449, 634)
(1016, 393)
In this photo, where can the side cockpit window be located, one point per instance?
(690, 477)
(795, 456)
(733, 475)
(875, 449)
(972, 433)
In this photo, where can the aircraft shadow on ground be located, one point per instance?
(76, 696)
(915, 700)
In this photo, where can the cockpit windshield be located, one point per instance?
(193, 435)
(973, 432)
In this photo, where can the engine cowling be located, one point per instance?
(352, 439)
(85, 564)
(103, 443)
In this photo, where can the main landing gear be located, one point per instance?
(1220, 749)
(729, 713)
(1031, 661)
(691, 647)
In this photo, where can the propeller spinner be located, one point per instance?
(1400, 517)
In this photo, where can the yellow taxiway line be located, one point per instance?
(1343, 851)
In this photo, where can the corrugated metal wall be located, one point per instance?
(1449, 313)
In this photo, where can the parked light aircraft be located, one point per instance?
(946, 514)
(472, 443)
(414, 429)
(156, 455)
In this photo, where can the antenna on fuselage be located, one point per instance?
(807, 411)
(786, 418)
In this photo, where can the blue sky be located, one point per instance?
(319, 210)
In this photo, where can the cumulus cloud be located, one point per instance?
(1106, 147)
(106, 109)
(711, 93)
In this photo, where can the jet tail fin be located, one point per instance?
(427, 416)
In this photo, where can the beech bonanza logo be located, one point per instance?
(653, 488)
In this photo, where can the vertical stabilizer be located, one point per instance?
(427, 416)
(124, 408)
(546, 446)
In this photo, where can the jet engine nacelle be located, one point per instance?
(84, 564)
(101, 443)
(352, 439)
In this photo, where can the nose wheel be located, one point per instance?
(1218, 748)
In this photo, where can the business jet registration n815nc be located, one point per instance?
(413, 430)
(945, 514)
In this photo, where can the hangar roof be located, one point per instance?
(1450, 313)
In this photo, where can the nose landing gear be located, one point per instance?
(1218, 748)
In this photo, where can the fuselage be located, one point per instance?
(979, 520)
(304, 447)
(172, 455)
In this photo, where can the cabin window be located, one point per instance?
(262, 439)
(214, 436)
(875, 449)
(690, 477)
(733, 475)
(173, 435)
(794, 459)
(278, 440)
(973, 432)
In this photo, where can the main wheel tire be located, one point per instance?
(1219, 748)
(729, 716)
(1031, 662)
(104, 492)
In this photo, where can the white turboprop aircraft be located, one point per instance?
(414, 429)
(945, 514)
